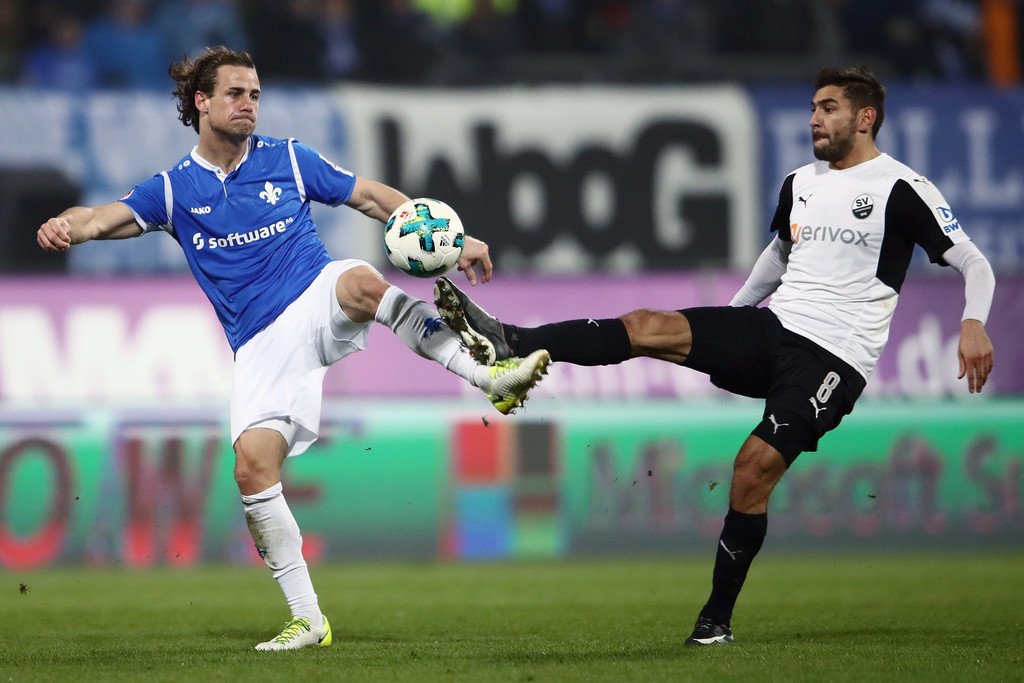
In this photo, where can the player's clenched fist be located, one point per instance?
(54, 235)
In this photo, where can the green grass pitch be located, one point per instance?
(923, 617)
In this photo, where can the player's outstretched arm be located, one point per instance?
(375, 199)
(81, 224)
(977, 356)
(379, 201)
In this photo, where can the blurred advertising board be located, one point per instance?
(587, 179)
(965, 139)
(85, 341)
(575, 179)
(560, 180)
(140, 487)
(107, 142)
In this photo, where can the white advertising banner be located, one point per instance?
(575, 179)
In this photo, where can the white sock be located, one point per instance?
(277, 538)
(481, 376)
(420, 328)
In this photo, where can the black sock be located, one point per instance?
(580, 342)
(742, 536)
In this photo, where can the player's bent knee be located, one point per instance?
(765, 468)
(756, 471)
(643, 324)
(246, 475)
(257, 462)
(660, 334)
(753, 478)
(359, 293)
(750, 492)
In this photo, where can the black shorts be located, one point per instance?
(747, 351)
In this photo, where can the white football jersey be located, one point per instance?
(853, 232)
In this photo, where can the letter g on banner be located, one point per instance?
(609, 179)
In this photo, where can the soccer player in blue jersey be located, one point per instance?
(239, 205)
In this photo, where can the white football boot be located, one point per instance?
(298, 633)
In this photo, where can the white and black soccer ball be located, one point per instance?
(424, 237)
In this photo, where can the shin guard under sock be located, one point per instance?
(419, 327)
(580, 342)
(279, 543)
(741, 539)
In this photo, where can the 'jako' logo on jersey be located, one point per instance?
(200, 209)
(948, 220)
(862, 206)
(826, 233)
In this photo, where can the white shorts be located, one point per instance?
(279, 373)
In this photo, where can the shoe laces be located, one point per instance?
(293, 629)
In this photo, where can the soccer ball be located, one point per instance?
(424, 237)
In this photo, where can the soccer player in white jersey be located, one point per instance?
(239, 206)
(847, 225)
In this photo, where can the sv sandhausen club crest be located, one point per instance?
(862, 206)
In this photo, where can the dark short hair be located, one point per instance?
(200, 75)
(860, 86)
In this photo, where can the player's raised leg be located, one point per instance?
(364, 295)
(259, 453)
(482, 333)
(580, 342)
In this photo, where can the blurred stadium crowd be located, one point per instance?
(128, 43)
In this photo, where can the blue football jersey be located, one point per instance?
(248, 236)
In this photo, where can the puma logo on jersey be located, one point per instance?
(817, 409)
(776, 424)
(804, 201)
(270, 194)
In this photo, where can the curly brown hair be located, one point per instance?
(200, 75)
(860, 86)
